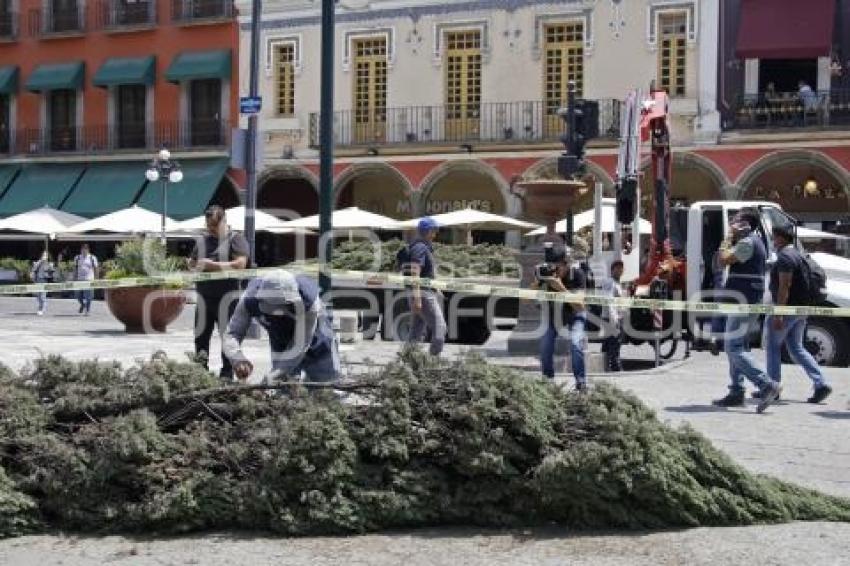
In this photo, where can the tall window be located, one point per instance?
(5, 122)
(463, 84)
(205, 125)
(564, 62)
(130, 115)
(63, 15)
(284, 64)
(672, 53)
(62, 109)
(370, 89)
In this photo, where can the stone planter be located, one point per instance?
(145, 310)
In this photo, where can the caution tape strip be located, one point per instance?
(453, 285)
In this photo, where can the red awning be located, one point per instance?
(785, 29)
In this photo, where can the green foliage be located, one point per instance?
(157, 447)
(141, 257)
(22, 266)
(452, 260)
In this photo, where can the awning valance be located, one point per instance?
(105, 188)
(39, 185)
(191, 196)
(57, 76)
(191, 65)
(8, 79)
(126, 71)
(785, 29)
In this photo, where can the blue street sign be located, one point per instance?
(250, 104)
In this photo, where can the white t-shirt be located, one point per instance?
(85, 267)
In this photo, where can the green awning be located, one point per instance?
(191, 65)
(38, 185)
(126, 71)
(7, 175)
(105, 188)
(191, 196)
(57, 76)
(8, 79)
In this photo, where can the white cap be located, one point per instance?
(277, 290)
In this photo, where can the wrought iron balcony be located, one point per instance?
(62, 18)
(783, 110)
(117, 14)
(8, 25)
(189, 11)
(521, 122)
(124, 137)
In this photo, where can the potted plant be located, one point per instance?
(149, 308)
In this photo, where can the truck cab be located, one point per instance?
(707, 225)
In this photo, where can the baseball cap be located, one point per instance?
(277, 290)
(427, 224)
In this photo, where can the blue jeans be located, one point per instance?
(429, 318)
(41, 298)
(85, 297)
(792, 336)
(575, 325)
(741, 363)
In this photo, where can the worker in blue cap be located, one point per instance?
(300, 331)
(426, 305)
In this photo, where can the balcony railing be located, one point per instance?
(57, 19)
(126, 137)
(490, 122)
(188, 11)
(117, 14)
(8, 25)
(791, 110)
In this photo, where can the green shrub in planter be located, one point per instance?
(142, 257)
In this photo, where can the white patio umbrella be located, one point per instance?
(587, 218)
(121, 224)
(470, 219)
(37, 224)
(263, 222)
(346, 219)
(812, 234)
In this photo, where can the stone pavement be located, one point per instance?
(795, 441)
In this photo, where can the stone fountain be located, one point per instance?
(545, 201)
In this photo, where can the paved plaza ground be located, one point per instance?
(795, 441)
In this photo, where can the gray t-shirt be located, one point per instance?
(85, 267)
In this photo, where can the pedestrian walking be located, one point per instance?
(43, 271)
(426, 305)
(746, 260)
(86, 268)
(789, 286)
(220, 249)
(564, 275)
(300, 331)
(613, 316)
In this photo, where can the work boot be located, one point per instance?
(820, 394)
(732, 399)
(769, 394)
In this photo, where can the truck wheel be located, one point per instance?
(396, 325)
(370, 326)
(827, 339)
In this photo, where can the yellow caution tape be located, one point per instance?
(454, 285)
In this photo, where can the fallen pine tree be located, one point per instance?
(161, 446)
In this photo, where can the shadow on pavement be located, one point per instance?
(840, 415)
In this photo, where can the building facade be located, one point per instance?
(441, 105)
(90, 90)
(445, 104)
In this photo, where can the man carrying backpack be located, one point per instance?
(791, 283)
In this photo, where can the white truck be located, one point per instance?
(696, 233)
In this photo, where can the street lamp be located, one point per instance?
(163, 169)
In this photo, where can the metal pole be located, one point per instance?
(326, 142)
(164, 182)
(251, 142)
(571, 134)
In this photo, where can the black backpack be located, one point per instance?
(402, 260)
(812, 283)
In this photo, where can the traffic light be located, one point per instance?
(627, 201)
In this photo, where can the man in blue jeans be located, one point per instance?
(787, 288)
(746, 259)
(564, 316)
